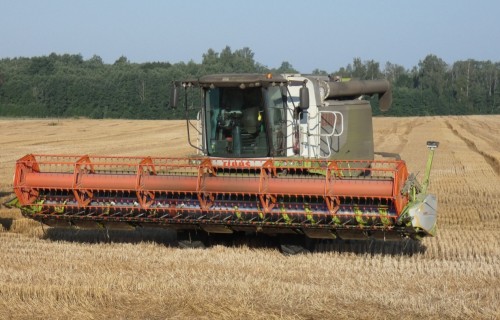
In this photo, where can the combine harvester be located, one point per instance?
(277, 155)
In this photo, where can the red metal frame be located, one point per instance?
(86, 176)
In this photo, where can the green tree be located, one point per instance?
(41, 65)
(121, 61)
(358, 69)
(95, 62)
(66, 85)
(433, 85)
(286, 67)
(372, 70)
(319, 72)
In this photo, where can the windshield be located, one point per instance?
(236, 122)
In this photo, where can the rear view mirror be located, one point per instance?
(304, 97)
(174, 94)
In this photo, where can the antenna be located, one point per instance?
(431, 145)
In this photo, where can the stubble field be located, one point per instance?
(61, 274)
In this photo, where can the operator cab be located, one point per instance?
(246, 122)
(243, 115)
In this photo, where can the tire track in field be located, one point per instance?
(403, 138)
(491, 161)
(487, 137)
(393, 136)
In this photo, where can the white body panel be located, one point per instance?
(424, 214)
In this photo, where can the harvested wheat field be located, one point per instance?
(61, 274)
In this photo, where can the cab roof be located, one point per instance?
(242, 80)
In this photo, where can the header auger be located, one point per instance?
(287, 154)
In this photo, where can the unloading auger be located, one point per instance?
(286, 154)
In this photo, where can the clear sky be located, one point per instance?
(324, 34)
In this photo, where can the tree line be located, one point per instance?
(69, 86)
